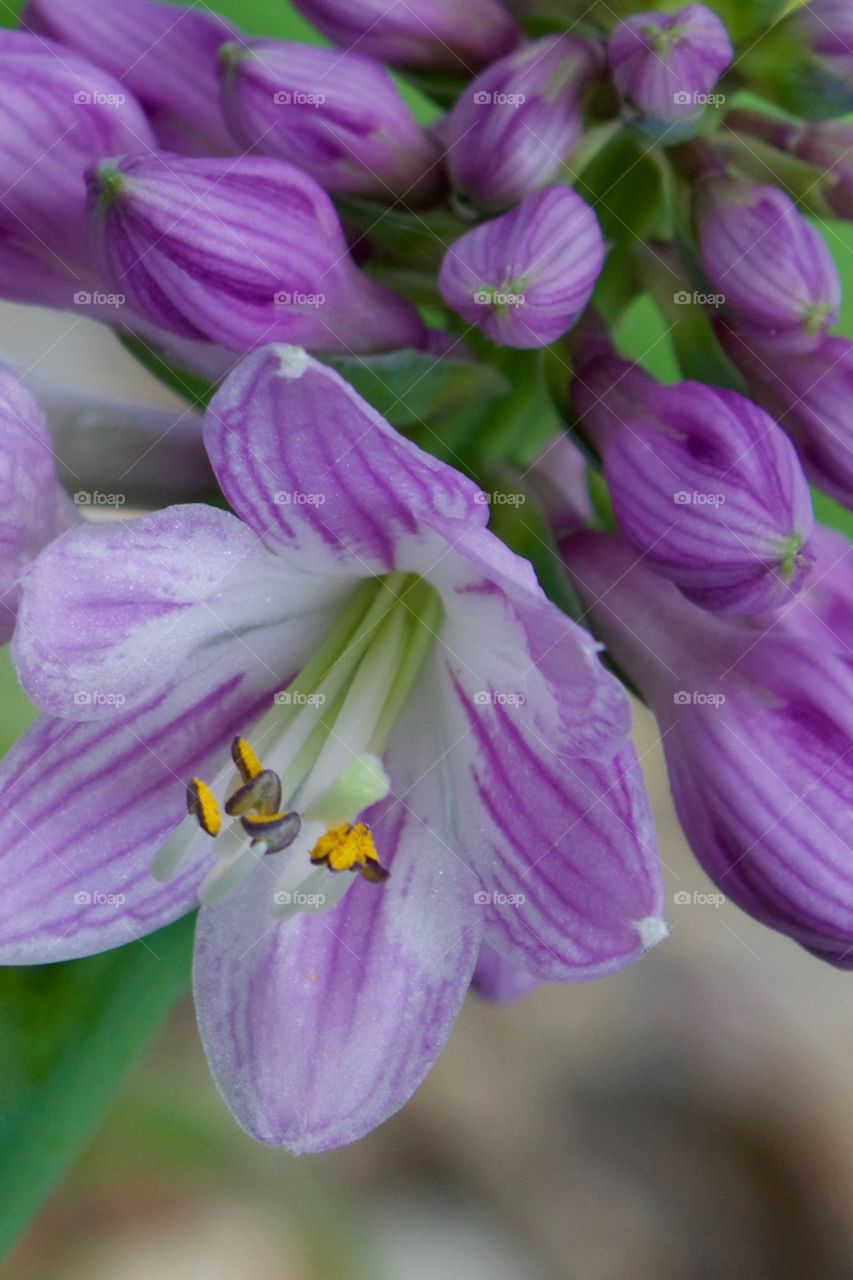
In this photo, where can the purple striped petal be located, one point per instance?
(823, 614)
(84, 808)
(337, 115)
(33, 508)
(432, 33)
(165, 54)
(809, 395)
(319, 1028)
(240, 252)
(58, 113)
(114, 610)
(525, 277)
(318, 473)
(704, 484)
(562, 845)
(742, 227)
(758, 733)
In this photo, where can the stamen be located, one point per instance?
(277, 831)
(204, 807)
(261, 794)
(248, 764)
(350, 848)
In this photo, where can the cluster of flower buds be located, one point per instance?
(400, 274)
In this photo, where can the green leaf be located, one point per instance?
(194, 388)
(69, 1034)
(415, 240)
(410, 388)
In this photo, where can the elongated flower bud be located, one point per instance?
(33, 508)
(239, 252)
(773, 268)
(524, 278)
(455, 34)
(666, 65)
(808, 394)
(513, 126)
(164, 54)
(58, 113)
(757, 728)
(704, 485)
(339, 116)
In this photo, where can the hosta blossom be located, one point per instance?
(338, 115)
(757, 729)
(511, 129)
(426, 755)
(525, 277)
(703, 483)
(34, 509)
(58, 114)
(772, 267)
(238, 252)
(457, 34)
(164, 54)
(666, 65)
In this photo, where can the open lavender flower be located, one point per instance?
(666, 66)
(743, 228)
(34, 509)
(457, 34)
(704, 485)
(238, 252)
(525, 277)
(511, 129)
(338, 115)
(758, 735)
(808, 393)
(164, 54)
(58, 113)
(444, 732)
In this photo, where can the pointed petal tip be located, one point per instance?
(292, 361)
(652, 930)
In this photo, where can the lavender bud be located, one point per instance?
(704, 485)
(339, 116)
(512, 127)
(666, 65)
(238, 252)
(455, 34)
(524, 277)
(757, 730)
(164, 54)
(772, 267)
(58, 113)
(809, 394)
(825, 28)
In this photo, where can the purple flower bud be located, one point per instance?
(773, 268)
(513, 126)
(829, 146)
(238, 252)
(757, 728)
(33, 507)
(58, 113)
(165, 54)
(525, 277)
(809, 395)
(827, 28)
(666, 65)
(703, 483)
(431, 33)
(338, 116)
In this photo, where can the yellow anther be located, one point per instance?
(203, 805)
(350, 848)
(245, 759)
